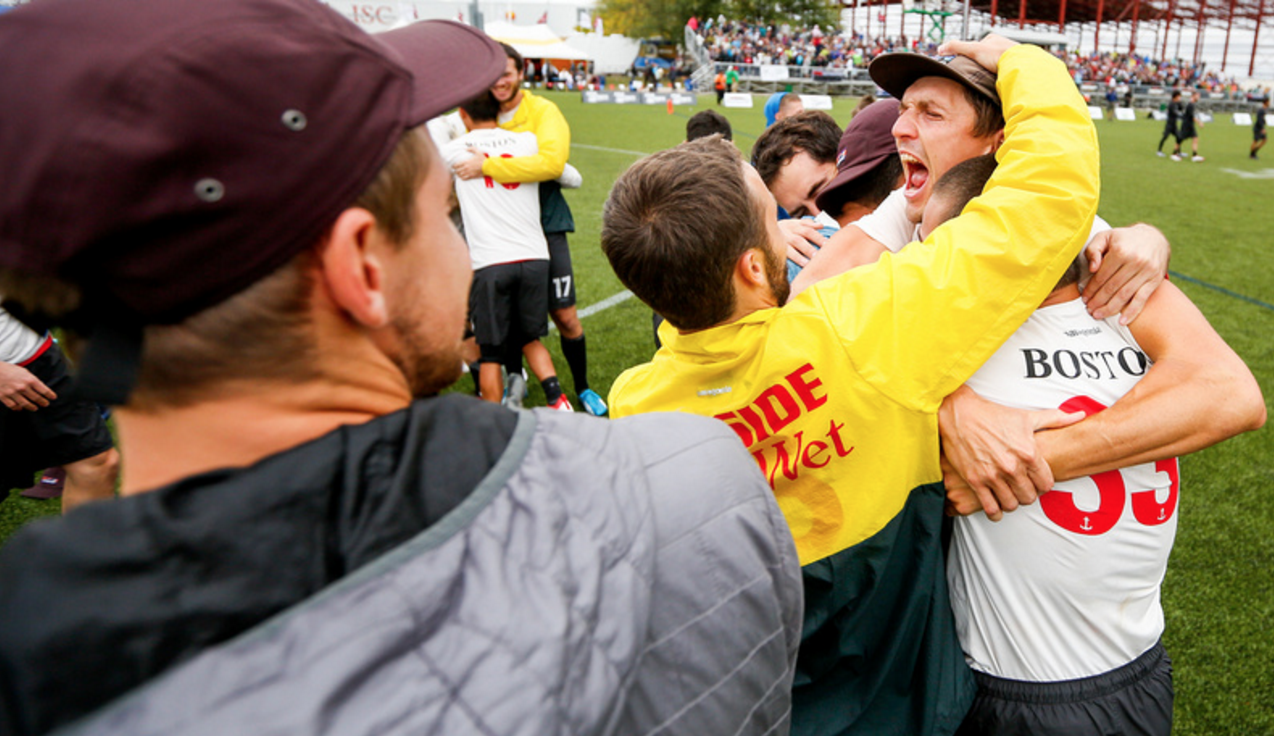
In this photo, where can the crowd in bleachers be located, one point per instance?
(1115, 68)
(741, 42)
(753, 43)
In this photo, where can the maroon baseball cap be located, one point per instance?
(896, 72)
(166, 154)
(868, 140)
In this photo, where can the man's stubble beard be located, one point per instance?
(427, 371)
(776, 273)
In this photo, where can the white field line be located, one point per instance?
(610, 150)
(601, 306)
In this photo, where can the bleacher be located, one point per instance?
(847, 80)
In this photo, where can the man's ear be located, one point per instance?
(750, 268)
(352, 270)
(999, 141)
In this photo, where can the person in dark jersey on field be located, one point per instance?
(1172, 125)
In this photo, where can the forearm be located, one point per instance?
(1157, 420)
(1196, 393)
(543, 166)
(552, 135)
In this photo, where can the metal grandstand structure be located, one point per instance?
(1247, 21)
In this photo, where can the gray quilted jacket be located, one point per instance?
(626, 577)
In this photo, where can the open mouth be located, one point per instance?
(916, 175)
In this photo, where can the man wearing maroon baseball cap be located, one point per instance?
(231, 202)
(868, 168)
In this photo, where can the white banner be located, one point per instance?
(773, 73)
(816, 102)
(737, 99)
(1125, 113)
(1242, 118)
(1096, 113)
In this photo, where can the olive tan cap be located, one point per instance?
(896, 72)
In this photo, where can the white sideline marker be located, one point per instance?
(601, 306)
(609, 150)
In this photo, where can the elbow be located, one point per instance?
(1244, 404)
(1256, 410)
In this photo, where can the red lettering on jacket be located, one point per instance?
(777, 407)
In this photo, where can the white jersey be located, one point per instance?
(445, 128)
(17, 341)
(1069, 586)
(888, 223)
(501, 221)
(889, 226)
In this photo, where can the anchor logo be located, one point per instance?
(1086, 526)
(1162, 515)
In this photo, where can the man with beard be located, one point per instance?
(523, 112)
(303, 545)
(836, 394)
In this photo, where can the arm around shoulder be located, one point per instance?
(1197, 393)
(553, 136)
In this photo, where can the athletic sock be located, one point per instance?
(552, 390)
(475, 368)
(512, 359)
(577, 358)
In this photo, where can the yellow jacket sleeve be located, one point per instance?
(543, 118)
(916, 325)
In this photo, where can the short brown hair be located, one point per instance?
(789, 101)
(812, 131)
(708, 122)
(963, 182)
(674, 227)
(989, 118)
(262, 333)
(966, 180)
(513, 53)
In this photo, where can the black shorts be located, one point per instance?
(509, 301)
(1187, 133)
(1133, 700)
(64, 432)
(561, 277)
(1258, 136)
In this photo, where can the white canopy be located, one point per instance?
(534, 42)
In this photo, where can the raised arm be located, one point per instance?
(931, 315)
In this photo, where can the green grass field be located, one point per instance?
(1219, 592)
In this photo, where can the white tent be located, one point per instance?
(534, 42)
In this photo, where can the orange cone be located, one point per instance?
(669, 105)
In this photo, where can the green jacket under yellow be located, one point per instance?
(836, 396)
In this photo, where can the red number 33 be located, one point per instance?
(1059, 505)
